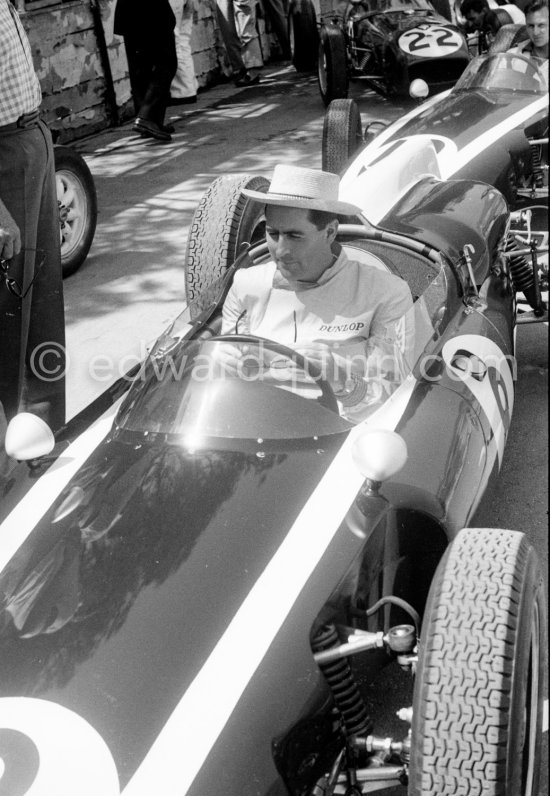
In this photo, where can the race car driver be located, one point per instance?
(354, 322)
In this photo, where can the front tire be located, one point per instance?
(333, 64)
(303, 35)
(478, 701)
(77, 203)
(222, 222)
(342, 134)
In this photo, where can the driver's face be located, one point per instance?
(537, 27)
(300, 250)
(475, 19)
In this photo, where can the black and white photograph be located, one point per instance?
(274, 397)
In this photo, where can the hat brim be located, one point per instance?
(303, 202)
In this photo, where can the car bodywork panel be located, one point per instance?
(476, 132)
(167, 595)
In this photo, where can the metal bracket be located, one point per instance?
(467, 250)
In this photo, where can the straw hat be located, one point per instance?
(310, 189)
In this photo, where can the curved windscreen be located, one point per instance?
(201, 386)
(502, 72)
(230, 389)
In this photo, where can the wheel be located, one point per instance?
(507, 36)
(332, 65)
(77, 202)
(223, 221)
(303, 35)
(478, 699)
(342, 135)
(327, 398)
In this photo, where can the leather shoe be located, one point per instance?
(152, 129)
(166, 128)
(246, 79)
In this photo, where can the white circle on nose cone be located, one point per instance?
(73, 757)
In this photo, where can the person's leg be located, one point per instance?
(164, 61)
(245, 22)
(32, 329)
(232, 43)
(277, 16)
(184, 86)
(44, 377)
(139, 69)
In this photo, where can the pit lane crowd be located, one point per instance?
(301, 233)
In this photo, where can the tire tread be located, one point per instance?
(216, 230)
(474, 611)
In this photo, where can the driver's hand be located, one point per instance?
(320, 354)
(243, 361)
(229, 358)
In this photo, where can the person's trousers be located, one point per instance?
(245, 22)
(152, 63)
(32, 329)
(276, 12)
(237, 23)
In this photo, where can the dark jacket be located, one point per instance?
(140, 17)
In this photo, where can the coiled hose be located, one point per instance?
(342, 684)
(521, 269)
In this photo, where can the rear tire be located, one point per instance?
(333, 64)
(342, 134)
(77, 203)
(303, 35)
(478, 698)
(222, 222)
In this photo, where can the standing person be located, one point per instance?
(32, 327)
(237, 22)
(536, 21)
(148, 30)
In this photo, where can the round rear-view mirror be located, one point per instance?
(419, 89)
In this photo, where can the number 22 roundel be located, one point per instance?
(430, 41)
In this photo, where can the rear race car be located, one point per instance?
(388, 45)
(492, 126)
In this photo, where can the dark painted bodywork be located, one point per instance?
(468, 115)
(130, 577)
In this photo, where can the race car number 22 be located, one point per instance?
(430, 41)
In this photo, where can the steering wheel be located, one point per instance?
(515, 79)
(327, 397)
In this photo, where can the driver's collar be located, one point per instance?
(281, 283)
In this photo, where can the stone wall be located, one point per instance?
(82, 65)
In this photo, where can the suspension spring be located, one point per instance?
(522, 271)
(342, 684)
